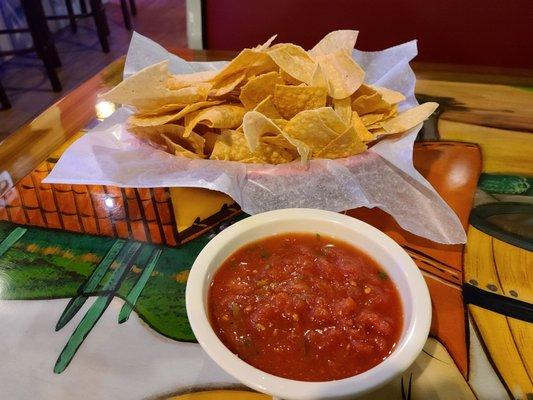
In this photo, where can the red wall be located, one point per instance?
(474, 32)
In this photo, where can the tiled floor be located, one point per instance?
(27, 85)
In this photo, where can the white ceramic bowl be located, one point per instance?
(388, 254)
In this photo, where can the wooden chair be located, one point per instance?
(97, 12)
(43, 43)
(83, 7)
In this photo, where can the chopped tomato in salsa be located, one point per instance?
(305, 307)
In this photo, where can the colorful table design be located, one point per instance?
(92, 278)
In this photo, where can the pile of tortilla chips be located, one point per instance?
(271, 104)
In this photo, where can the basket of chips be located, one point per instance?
(275, 127)
(271, 104)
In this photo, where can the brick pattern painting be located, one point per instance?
(139, 214)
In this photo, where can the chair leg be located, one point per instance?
(4, 101)
(71, 16)
(83, 6)
(38, 27)
(42, 40)
(125, 14)
(106, 25)
(100, 21)
(133, 7)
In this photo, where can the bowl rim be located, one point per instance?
(414, 334)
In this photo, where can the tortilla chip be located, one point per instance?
(282, 123)
(222, 116)
(258, 88)
(146, 90)
(278, 140)
(290, 100)
(266, 45)
(166, 109)
(345, 145)
(287, 79)
(178, 150)
(409, 119)
(364, 90)
(332, 119)
(303, 149)
(362, 132)
(319, 79)
(193, 142)
(334, 41)
(247, 60)
(294, 61)
(210, 138)
(389, 95)
(267, 108)
(256, 126)
(373, 103)
(153, 120)
(231, 146)
(226, 85)
(343, 108)
(309, 128)
(343, 74)
(178, 81)
(372, 119)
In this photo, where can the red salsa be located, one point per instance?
(306, 307)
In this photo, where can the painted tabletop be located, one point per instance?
(92, 278)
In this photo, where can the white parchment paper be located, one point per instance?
(382, 177)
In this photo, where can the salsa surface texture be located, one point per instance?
(306, 307)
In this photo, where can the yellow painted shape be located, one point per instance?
(503, 151)
(499, 341)
(515, 269)
(523, 336)
(485, 103)
(192, 203)
(508, 341)
(222, 395)
(479, 260)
